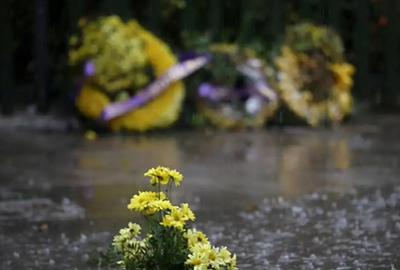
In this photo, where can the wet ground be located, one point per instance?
(281, 199)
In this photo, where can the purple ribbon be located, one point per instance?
(173, 74)
(213, 92)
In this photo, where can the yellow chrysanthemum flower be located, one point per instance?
(119, 242)
(188, 214)
(198, 260)
(196, 237)
(159, 175)
(174, 219)
(201, 248)
(156, 206)
(127, 236)
(178, 216)
(141, 201)
(134, 229)
(233, 262)
(224, 255)
(213, 259)
(176, 177)
(162, 175)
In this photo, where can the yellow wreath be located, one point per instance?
(292, 67)
(161, 112)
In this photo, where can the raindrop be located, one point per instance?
(398, 225)
(284, 258)
(16, 255)
(65, 201)
(362, 251)
(85, 257)
(46, 251)
(310, 266)
(83, 239)
(31, 182)
(297, 209)
(318, 226)
(341, 223)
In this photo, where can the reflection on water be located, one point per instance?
(252, 164)
(306, 164)
(341, 153)
(121, 152)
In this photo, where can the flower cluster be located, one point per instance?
(239, 103)
(205, 256)
(313, 80)
(169, 243)
(123, 58)
(116, 51)
(162, 175)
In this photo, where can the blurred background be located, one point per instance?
(34, 42)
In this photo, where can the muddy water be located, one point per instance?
(280, 199)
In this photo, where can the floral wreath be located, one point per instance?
(313, 79)
(224, 75)
(119, 59)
